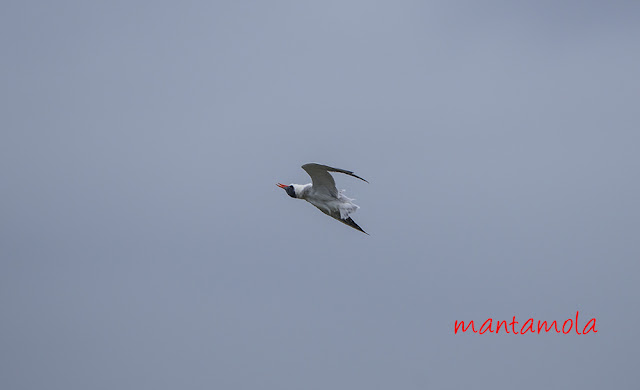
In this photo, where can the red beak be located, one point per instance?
(282, 185)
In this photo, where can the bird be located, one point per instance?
(323, 194)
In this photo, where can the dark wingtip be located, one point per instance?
(354, 175)
(353, 224)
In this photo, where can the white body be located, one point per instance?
(327, 203)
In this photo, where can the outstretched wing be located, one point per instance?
(347, 221)
(352, 223)
(321, 179)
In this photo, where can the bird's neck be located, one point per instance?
(301, 190)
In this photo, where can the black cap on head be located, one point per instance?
(290, 191)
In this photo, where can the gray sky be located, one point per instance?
(144, 244)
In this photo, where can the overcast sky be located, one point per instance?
(144, 244)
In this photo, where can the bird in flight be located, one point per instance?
(323, 194)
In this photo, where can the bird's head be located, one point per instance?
(289, 189)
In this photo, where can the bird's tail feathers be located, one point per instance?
(347, 208)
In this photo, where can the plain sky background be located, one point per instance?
(144, 244)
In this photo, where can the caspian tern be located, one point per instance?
(323, 194)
